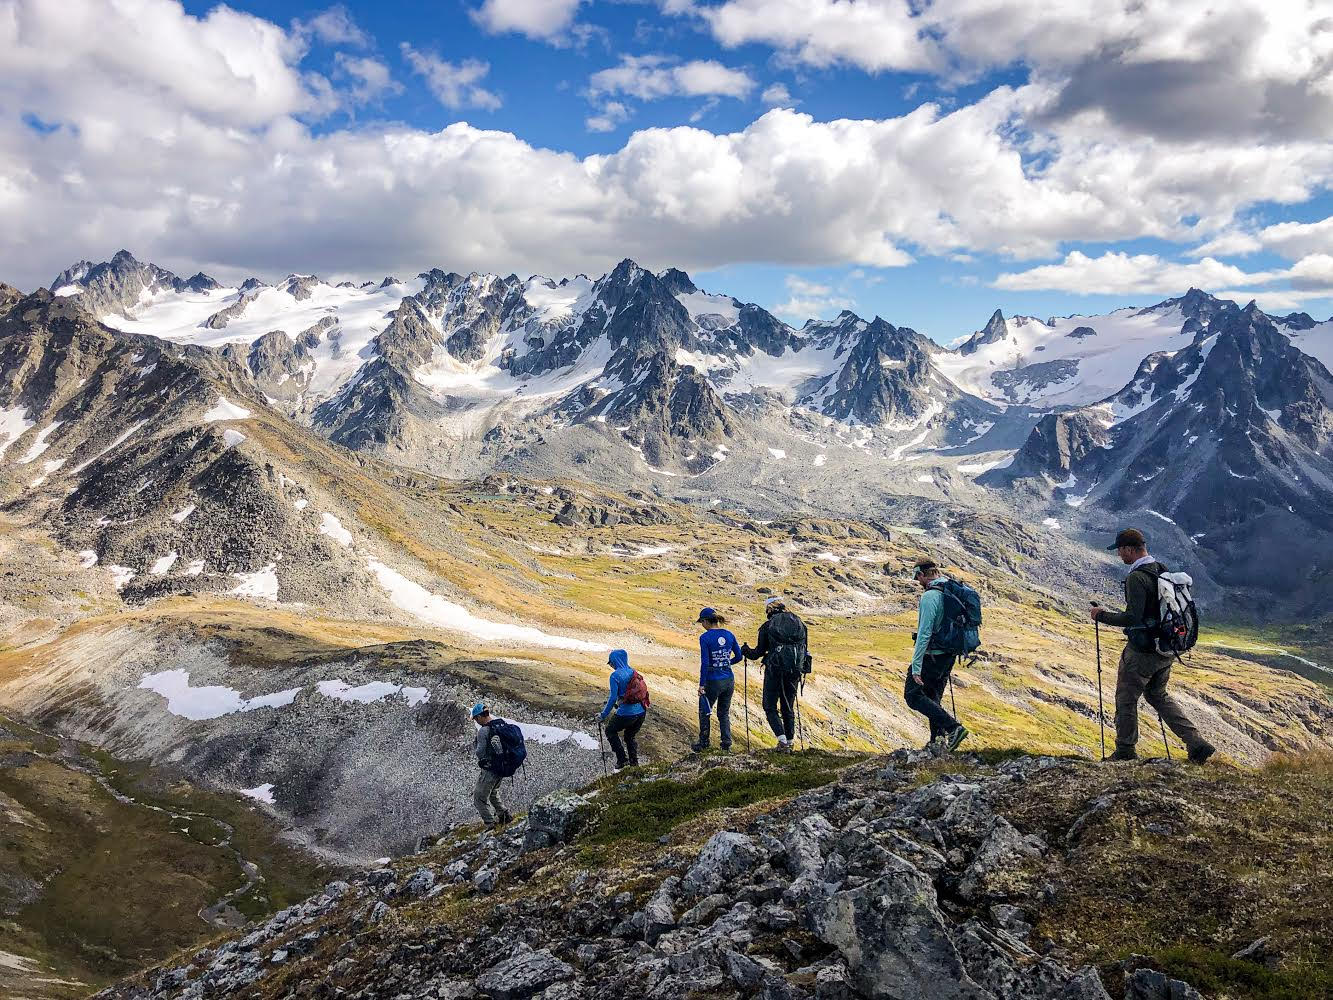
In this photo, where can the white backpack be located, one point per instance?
(1177, 627)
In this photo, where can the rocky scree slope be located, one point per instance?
(904, 878)
(149, 459)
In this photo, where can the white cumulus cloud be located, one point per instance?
(228, 175)
(371, 79)
(1159, 67)
(455, 85)
(1121, 273)
(810, 299)
(542, 19)
(653, 77)
(334, 26)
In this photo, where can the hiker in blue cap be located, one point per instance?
(486, 796)
(718, 650)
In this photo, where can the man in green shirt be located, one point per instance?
(928, 675)
(1144, 672)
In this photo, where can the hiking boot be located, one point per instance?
(725, 748)
(620, 765)
(506, 817)
(698, 747)
(957, 736)
(784, 747)
(1123, 755)
(1201, 753)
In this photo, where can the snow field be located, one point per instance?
(435, 610)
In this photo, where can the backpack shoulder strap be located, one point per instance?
(942, 589)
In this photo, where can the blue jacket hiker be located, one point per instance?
(928, 674)
(628, 699)
(718, 650)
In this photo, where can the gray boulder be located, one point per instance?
(893, 938)
(806, 843)
(554, 819)
(992, 871)
(1149, 984)
(1086, 984)
(723, 858)
(659, 915)
(525, 975)
(419, 883)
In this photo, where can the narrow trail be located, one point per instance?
(222, 913)
(1275, 651)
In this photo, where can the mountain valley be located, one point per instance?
(271, 541)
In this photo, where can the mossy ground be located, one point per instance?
(121, 884)
(646, 806)
(1187, 866)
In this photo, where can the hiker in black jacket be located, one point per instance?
(1143, 672)
(782, 645)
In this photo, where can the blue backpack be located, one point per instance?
(512, 753)
(960, 632)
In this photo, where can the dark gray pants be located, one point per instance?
(1146, 675)
(486, 797)
(928, 696)
(717, 698)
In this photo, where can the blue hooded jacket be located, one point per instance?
(621, 672)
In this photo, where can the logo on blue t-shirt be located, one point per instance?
(719, 648)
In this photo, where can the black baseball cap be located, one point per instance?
(1130, 537)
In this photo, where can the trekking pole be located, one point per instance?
(953, 702)
(1164, 740)
(601, 749)
(745, 696)
(1101, 712)
(800, 730)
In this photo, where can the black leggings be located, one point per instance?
(630, 726)
(779, 701)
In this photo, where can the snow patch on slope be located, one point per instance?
(421, 603)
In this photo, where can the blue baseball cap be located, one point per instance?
(479, 709)
(706, 614)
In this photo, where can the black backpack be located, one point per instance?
(786, 644)
(960, 632)
(512, 751)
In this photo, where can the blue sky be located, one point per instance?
(926, 163)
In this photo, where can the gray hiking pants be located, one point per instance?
(486, 797)
(1146, 675)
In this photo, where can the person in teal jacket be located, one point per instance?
(629, 716)
(928, 674)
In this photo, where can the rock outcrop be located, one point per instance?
(872, 887)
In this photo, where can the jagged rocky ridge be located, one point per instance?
(132, 453)
(872, 887)
(1229, 438)
(645, 357)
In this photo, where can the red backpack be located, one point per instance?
(636, 691)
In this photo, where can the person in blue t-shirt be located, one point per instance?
(718, 650)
